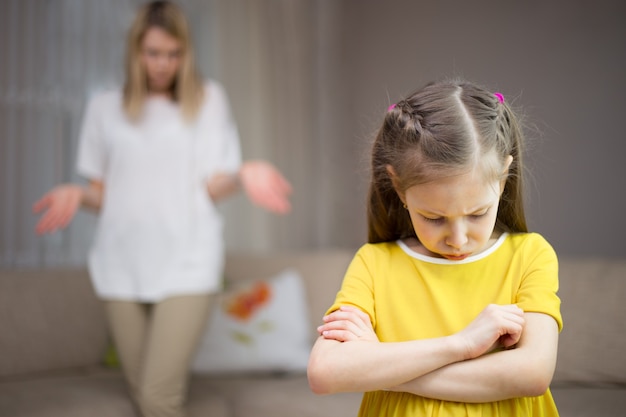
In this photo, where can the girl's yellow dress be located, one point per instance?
(409, 296)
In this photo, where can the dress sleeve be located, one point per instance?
(357, 288)
(540, 283)
(91, 157)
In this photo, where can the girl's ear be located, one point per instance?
(394, 181)
(505, 173)
(507, 163)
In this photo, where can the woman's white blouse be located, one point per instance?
(159, 233)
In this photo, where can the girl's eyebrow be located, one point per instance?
(474, 211)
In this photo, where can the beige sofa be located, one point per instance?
(53, 338)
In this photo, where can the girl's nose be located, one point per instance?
(457, 237)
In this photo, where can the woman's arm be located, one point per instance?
(349, 357)
(524, 371)
(223, 185)
(262, 182)
(62, 202)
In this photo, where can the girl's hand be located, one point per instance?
(496, 326)
(265, 186)
(60, 205)
(346, 324)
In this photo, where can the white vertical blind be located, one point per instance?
(54, 54)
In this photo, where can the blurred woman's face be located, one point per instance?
(161, 56)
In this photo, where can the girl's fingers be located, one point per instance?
(513, 308)
(496, 325)
(347, 323)
(341, 315)
(342, 330)
(363, 317)
(339, 335)
(339, 330)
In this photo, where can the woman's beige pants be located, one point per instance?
(156, 344)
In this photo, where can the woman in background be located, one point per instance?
(158, 155)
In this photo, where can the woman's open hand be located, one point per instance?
(346, 324)
(265, 186)
(59, 205)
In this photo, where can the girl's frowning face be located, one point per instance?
(161, 57)
(454, 217)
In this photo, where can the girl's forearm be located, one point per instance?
(525, 371)
(486, 379)
(358, 366)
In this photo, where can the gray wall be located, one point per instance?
(563, 63)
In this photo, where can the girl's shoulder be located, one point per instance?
(379, 250)
(530, 247)
(528, 241)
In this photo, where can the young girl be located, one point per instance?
(158, 155)
(451, 308)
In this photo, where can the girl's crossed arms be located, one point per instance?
(458, 367)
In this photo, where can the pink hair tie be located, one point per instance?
(499, 96)
(393, 106)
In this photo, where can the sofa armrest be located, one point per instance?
(49, 320)
(591, 345)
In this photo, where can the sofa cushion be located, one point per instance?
(72, 395)
(591, 345)
(274, 396)
(260, 326)
(322, 272)
(50, 320)
(92, 392)
(599, 401)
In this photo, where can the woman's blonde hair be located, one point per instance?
(187, 88)
(443, 129)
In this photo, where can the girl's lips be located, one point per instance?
(456, 257)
